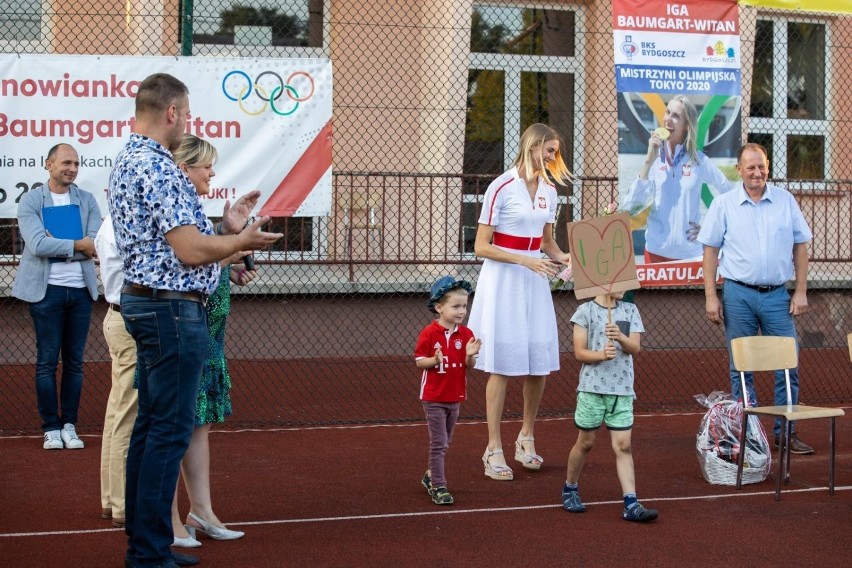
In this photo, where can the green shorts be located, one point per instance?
(594, 409)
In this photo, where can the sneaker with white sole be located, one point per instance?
(52, 440)
(70, 438)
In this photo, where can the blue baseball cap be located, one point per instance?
(444, 285)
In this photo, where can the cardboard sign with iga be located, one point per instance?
(602, 255)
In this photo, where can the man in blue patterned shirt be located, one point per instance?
(170, 255)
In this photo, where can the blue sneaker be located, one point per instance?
(571, 501)
(639, 514)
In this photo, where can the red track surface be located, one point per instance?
(352, 497)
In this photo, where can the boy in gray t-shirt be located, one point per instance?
(605, 394)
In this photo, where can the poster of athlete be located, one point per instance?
(269, 119)
(677, 71)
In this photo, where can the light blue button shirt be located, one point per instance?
(756, 239)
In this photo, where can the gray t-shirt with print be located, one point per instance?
(613, 376)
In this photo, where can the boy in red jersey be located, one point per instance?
(445, 349)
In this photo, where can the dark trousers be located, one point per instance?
(171, 344)
(61, 321)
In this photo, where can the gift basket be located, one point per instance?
(718, 442)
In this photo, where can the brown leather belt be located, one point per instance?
(146, 292)
(115, 307)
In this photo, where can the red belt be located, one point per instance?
(517, 243)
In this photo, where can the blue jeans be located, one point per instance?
(171, 344)
(746, 310)
(441, 418)
(61, 321)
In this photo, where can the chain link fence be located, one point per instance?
(430, 100)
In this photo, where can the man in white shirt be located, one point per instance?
(123, 398)
(57, 278)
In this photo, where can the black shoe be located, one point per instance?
(184, 559)
(167, 564)
(639, 514)
(796, 445)
(427, 482)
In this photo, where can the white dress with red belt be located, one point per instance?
(512, 310)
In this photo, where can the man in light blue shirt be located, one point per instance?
(763, 237)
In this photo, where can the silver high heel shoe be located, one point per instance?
(500, 472)
(531, 461)
(187, 541)
(214, 532)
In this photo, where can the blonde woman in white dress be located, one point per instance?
(512, 310)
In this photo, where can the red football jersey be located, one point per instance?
(451, 385)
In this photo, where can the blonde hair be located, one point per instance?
(690, 115)
(195, 151)
(535, 137)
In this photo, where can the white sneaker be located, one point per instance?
(52, 440)
(69, 436)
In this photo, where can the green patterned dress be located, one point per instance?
(214, 398)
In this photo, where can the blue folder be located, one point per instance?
(63, 221)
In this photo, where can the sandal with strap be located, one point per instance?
(442, 496)
(529, 461)
(500, 472)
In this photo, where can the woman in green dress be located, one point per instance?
(196, 158)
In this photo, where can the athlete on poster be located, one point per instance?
(678, 88)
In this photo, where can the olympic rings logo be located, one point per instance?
(269, 88)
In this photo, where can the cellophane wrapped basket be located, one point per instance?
(718, 442)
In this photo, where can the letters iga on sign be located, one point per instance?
(602, 255)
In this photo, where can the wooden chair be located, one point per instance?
(361, 211)
(849, 341)
(760, 353)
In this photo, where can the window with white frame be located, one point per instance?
(524, 68)
(789, 102)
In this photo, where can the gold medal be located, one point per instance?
(662, 133)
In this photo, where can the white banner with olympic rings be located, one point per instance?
(269, 119)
